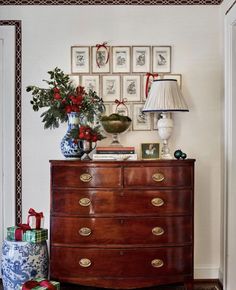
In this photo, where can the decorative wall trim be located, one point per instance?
(18, 163)
(110, 2)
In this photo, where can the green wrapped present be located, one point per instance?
(41, 284)
(21, 233)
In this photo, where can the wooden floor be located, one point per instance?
(199, 285)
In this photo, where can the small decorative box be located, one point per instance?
(35, 219)
(41, 284)
(33, 236)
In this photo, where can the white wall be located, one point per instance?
(194, 34)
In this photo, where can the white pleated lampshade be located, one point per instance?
(165, 96)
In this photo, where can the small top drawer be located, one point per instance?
(81, 176)
(158, 176)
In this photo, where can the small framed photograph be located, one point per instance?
(100, 59)
(141, 59)
(80, 59)
(131, 88)
(121, 59)
(91, 82)
(124, 110)
(177, 77)
(161, 59)
(110, 88)
(141, 121)
(150, 151)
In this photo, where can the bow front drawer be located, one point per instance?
(80, 176)
(160, 176)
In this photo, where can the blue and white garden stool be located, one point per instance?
(23, 261)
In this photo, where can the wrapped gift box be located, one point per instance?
(35, 219)
(32, 236)
(39, 284)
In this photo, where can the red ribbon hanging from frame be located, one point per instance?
(148, 75)
(103, 45)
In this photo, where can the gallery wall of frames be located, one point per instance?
(122, 76)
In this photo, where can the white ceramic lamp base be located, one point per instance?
(165, 126)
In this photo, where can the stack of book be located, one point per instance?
(115, 153)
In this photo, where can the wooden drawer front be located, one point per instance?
(102, 263)
(118, 202)
(79, 176)
(158, 176)
(104, 231)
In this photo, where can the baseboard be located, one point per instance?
(206, 273)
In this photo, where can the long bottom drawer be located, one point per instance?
(73, 262)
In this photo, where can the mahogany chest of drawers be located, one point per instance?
(123, 224)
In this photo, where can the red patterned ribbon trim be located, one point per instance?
(20, 231)
(37, 215)
(32, 284)
(104, 45)
(148, 75)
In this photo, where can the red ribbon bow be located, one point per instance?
(20, 231)
(122, 102)
(104, 45)
(148, 75)
(37, 215)
(32, 284)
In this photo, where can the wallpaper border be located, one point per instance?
(18, 153)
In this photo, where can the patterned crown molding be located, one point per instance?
(18, 157)
(110, 2)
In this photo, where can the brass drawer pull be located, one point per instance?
(85, 263)
(158, 177)
(158, 231)
(157, 263)
(157, 201)
(85, 201)
(86, 177)
(85, 232)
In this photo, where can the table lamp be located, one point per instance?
(165, 97)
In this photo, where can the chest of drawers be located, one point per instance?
(122, 225)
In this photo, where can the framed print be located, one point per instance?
(177, 77)
(80, 59)
(75, 80)
(91, 82)
(141, 121)
(146, 86)
(150, 151)
(110, 88)
(100, 59)
(124, 110)
(141, 59)
(131, 88)
(121, 59)
(161, 59)
(108, 109)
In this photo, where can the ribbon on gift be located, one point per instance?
(32, 284)
(103, 45)
(38, 216)
(148, 75)
(22, 228)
